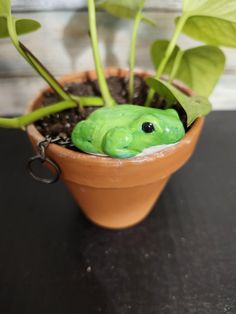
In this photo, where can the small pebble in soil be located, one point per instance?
(89, 269)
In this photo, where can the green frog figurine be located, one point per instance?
(125, 131)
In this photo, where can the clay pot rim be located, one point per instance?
(105, 160)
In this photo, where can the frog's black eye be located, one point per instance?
(148, 127)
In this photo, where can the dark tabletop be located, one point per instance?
(181, 259)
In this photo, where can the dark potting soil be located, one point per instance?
(60, 125)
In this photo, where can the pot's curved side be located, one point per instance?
(117, 208)
(117, 193)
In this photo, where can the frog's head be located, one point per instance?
(158, 128)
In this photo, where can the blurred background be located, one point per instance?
(62, 44)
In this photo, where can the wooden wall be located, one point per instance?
(63, 46)
(36, 5)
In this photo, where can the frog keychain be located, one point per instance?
(127, 130)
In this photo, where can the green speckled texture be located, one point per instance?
(117, 132)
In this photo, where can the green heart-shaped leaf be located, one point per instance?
(193, 106)
(158, 50)
(211, 21)
(200, 68)
(121, 8)
(23, 26)
(124, 8)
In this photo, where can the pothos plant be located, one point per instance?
(212, 22)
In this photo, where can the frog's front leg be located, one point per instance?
(117, 143)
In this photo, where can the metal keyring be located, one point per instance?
(41, 156)
(50, 162)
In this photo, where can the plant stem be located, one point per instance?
(109, 101)
(34, 62)
(24, 120)
(167, 56)
(88, 101)
(176, 65)
(20, 122)
(70, 101)
(43, 72)
(184, 5)
(132, 59)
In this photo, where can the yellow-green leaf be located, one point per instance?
(193, 106)
(120, 8)
(200, 68)
(23, 26)
(123, 8)
(211, 21)
(158, 50)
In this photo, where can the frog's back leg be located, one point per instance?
(82, 136)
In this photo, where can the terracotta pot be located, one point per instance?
(116, 193)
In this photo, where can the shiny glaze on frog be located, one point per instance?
(124, 131)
